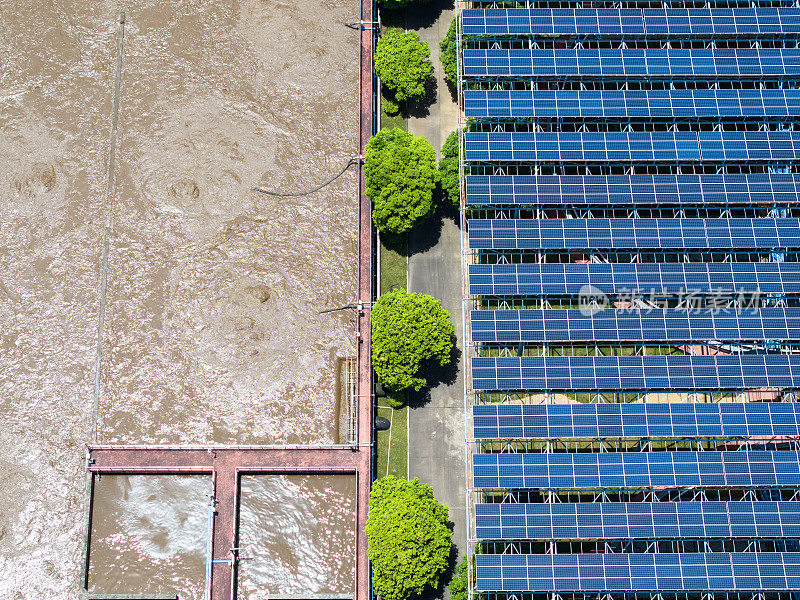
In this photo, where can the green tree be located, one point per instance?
(407, 329)
(403, 64)
(409, 540)
(459, 586)
(400, 171)
(449, 47)
(448, 168)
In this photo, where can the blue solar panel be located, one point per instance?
(742, 468)
(613, 63)
(611, 22)
(537, 326)
(599, 234)
(733, 372)
(632, 520)
(636, 420)
(633, 278)
(659, 572)
(643, 104)
(665, 189)
(640, 146)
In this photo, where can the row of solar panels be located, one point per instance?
(639, 146)
(661, 572)
(634, 325)
(633, 63)
(633, 470)
(631, 104)
(642, 520)
(662, 189)
(611, 22)
(629, 234)
(648, 373)
(635, 420)
(630, 279)
(606, 470)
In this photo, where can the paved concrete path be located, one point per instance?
(436, 423)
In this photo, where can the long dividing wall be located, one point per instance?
(631, 206)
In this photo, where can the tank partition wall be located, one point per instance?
(630, 203)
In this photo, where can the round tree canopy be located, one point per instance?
(407, 329)
(409, 537)
(400, 171)
(402, 64)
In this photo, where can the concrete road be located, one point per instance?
(436, 420)
(438, 115)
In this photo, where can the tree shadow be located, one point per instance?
(392, 18)
(453, 89)
(426, 235)
(436, 375)
(419, 109)
(438, 592)
(422, 14)
(395, 242)
(450, 210)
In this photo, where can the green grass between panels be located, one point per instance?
(392, 451)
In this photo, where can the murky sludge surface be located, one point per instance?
(297, 535)
(213, 331)
(149, 534)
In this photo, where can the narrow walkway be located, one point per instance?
(436, 424)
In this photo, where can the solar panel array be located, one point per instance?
(643, 520)
(631, 104)
(636, 420)
(717, 571)
(742, 468)
(633, 23)
(579, 373)
(538, 279)
(599, 234)
(592, 113)
(632, 190)
(634, 63)
(609, 325)
(642, 146)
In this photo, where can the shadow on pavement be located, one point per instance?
(392, 18)
(436, 375)
(453, 89)
(419, 109)
(421, 14)
(426, 235)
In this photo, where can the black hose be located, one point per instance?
(349, 164)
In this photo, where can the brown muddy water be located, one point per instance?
(149, 534)
(297, 535)
(212, 325)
